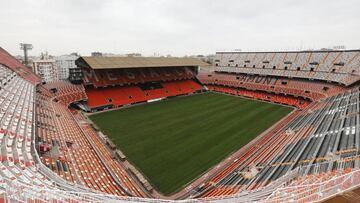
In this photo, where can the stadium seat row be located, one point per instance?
(337, 66)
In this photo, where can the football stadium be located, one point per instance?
(259, 127)
(179, 101)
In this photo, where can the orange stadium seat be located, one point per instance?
(123, 95)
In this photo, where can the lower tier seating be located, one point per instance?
(292, 101)
(313, 90)
(119, 96)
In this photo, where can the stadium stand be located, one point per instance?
(18, 165)
(10, 62)
(119, 96)
(291, 101)
(68, 150)
(306, 140)
(66, 92)
(112, 82)
(336, 66)
(103, 78)
(313, 90)
(51, 153)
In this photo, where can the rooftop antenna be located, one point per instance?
(26, 47)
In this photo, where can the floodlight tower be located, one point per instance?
(26, 47)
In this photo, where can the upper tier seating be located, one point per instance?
(102, 78)
(5, 75)
(10, 62)
(16, 134)
(309, 188)
(337, 66)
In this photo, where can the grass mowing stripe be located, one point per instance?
(174, 141)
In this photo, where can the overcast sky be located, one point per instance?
(177, 27)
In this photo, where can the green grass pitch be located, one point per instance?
(173, 142)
